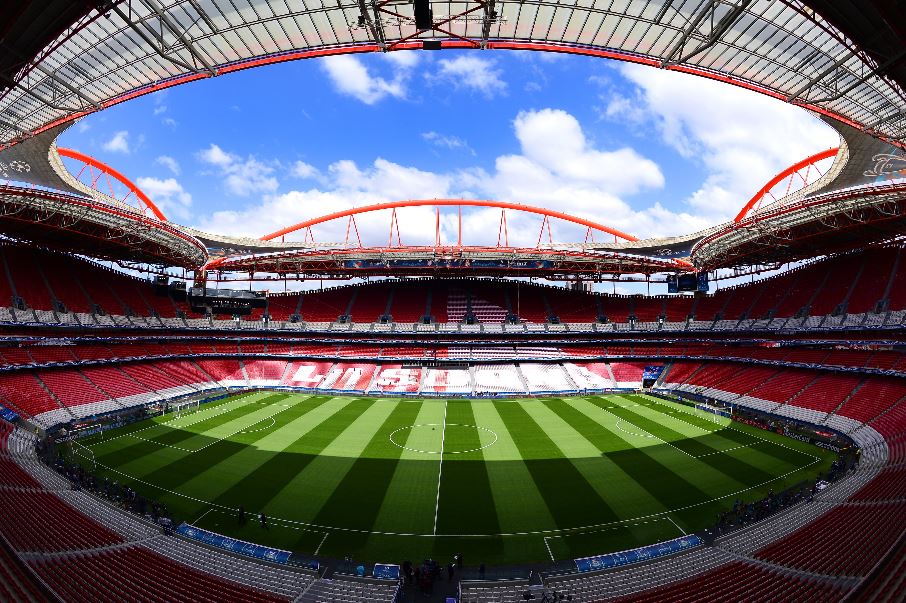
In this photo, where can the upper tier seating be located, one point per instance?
(40, 277)
(859, 282)
(22, 391)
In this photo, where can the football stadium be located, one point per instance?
(522, 401)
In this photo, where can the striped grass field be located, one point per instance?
(497, 481)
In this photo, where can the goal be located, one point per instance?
(181, 409)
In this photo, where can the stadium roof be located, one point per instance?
(847, 63)
(783, 49)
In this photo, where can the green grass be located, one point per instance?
(518, 480)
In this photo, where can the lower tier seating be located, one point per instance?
(741, 581)
(847, 541)
(39, 521)
(138, 575)
(16, 585)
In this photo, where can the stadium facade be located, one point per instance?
(814, 352)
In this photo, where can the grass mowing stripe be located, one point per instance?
(305, 495)
(748, 471)
(587, 457)
(623, 491)
(114, 453)
(571, 499)
(357, 499)
(763, 442)
(196, 464)
(753, 449)
(466, 500)
(656, 467)
(210, 482)
(517, 499)
(307, 415)
(261, 483)
(408, 506)
(661, 428)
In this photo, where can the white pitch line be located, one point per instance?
(243, 430)
(202, 516)
(758, 438)
(651, 435)
(156, 443)
(677, 525)
(320, 544)
(440, 469)
(168, 422)
(547, 544)
(554, 533)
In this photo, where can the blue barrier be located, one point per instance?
(599, 562)
(231, 544)
(8, 414)
(386, 571)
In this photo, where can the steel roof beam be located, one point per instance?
(717, 31)
(181, 34)
(861, 80)
(374, 24)
(489, 18)
(158, 48)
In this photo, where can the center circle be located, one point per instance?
(437, 438)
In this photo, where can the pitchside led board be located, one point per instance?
(678, 283)
(650, 374)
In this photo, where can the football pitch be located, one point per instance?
(386, 479)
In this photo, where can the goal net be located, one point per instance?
(181, 409)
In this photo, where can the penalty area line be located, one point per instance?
(320, 544)
(676, 524)
(548, 546)
(202, 516)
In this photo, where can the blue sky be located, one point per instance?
(643, 150)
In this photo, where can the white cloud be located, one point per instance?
(351, 77)
(168, 195)
(169, 163)
(214, 155)
(346, 185)
(303, 170)
(403, 59)
(574, 176)
(241, 177)
(741, 138)
(119, 143)
(160, 109)
(447, 142)
(474, 73)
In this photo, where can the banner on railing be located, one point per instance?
(231, 544)
(599, 562)
(8, 414)
(386, 571)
